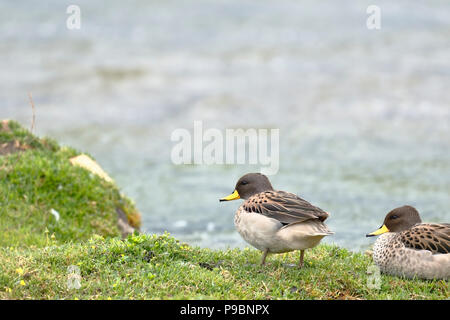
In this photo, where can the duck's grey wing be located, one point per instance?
(284, 206)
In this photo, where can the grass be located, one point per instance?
(42, 258)
(37, 177)
(160, 267)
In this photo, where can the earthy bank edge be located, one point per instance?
(82, 255)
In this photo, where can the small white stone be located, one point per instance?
(55, 214)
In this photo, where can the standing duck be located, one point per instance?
(276, 221)
(407, 247)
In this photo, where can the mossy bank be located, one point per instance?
(43, 195)
(79, 253)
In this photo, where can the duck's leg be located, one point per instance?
(263, 260)
(302, 254)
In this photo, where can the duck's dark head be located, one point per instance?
(397, 220)
(249, 185)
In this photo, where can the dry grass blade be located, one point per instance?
(33, 108)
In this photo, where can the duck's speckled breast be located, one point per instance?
(383, 253)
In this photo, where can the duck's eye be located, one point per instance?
(243, 183)
(393, 217)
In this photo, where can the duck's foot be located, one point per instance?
(302, 254)
(263, 260)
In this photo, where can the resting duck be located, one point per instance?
(407, 247)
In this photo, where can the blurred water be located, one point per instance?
(363, 115)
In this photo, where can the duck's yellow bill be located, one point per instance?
(382, 230)
(235, 195)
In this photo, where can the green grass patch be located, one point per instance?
(160, 267)
(36, 177)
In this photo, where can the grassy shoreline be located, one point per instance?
(43, 195)
(43, 254)
(160, 267)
